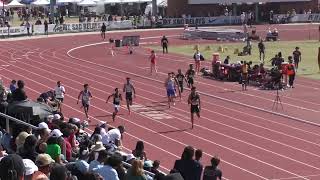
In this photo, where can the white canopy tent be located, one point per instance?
(68, 1)
(41, 2)
(15, 3)
(87, 3)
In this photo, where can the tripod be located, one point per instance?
(277, 101)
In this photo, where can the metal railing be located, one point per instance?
(10, 118)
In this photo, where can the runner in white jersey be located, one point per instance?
(85, 96)
(59, 92)
(170, 85)
(128, 88)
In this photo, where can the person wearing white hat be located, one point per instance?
(56, 133)
(30, 168)
(56, 117)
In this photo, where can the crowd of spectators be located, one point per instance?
(61, 150)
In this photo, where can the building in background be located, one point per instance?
(177, 8)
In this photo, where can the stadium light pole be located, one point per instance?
(154, 8)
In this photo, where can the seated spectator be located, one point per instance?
(19, 94)
(44, 162)
(198, 155)
(147, 165)
(38, 22)
(53, 148)
(136, 171)
(92, 176)
(115, 136)
(157, 174)
(227, 60)
(58, 172)
(28, 151)
(11, 166)
(187, 167)
(102, 157)
(13, 86)
(108, 171)
(81, 164)
(130, 158)
(212, 172)
(30, 169)
(20, 139)
(139, 151)
(65, 135)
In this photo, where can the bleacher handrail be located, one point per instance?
(17, 120)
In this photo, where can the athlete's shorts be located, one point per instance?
(129, 96)
(171, 93)
(85, 104)
(116, 107)
(190, 81)
(195, 109)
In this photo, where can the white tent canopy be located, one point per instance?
(87, 3)
(68, 1)
(15, 3)
(41, 2)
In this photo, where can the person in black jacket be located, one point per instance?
(19, 94)
(187, 166)
(164, 43)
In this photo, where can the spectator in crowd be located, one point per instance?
(30, 168)
(45, 23)
(13, 86)
(102, 157)
(115, 136)
(227, 60)
(187, 167)
(136, 172)
(130, 158)
(108, 171)
(19, 94)
(65, 135)
(28, 151)
(81, 164)
(212, 172)
(139, 152)
(12, 168)
(58, 172)
(157, 174)
(198, 155)
(53, 148)
(20, 139)
(147, 165)
(93, 176)
(44, 162)
(38, 22)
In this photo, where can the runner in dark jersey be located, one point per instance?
(190, 75)
(85, 99)
(194, 101)
(164, 43)
(180, 78)
(117, 98)
(128, 88)
(296, 57)
(103, 31)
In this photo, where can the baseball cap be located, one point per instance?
(130, 157)
(21, 138)
(44, 160)
(30, 166)
(56, 133)
(43, 125)
(56, 117)
(147, 164)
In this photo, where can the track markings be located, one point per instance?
(150, 112)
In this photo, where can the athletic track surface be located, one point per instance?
(253, 141)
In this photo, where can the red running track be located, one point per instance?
(252, 144)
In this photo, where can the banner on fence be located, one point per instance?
(219, 20)
(64, 28)
(298, 18)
